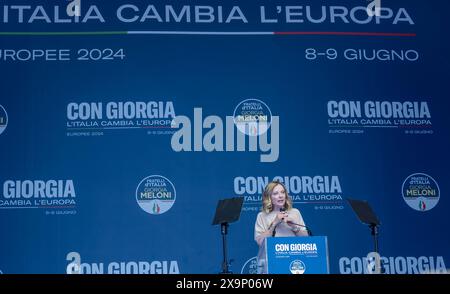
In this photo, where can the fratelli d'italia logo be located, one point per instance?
(155, 194)
(421, 192)
(297, 267)
(3, 119)
(252, 117)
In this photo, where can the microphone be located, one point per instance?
(282, 209)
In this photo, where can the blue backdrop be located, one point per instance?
(115, 144)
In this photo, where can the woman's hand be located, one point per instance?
(282, 216)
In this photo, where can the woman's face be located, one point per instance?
(278, 197)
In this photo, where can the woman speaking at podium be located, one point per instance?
(277, 218)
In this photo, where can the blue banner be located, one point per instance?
(124, 122)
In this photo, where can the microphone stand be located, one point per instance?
(282, 209)
(274, 230)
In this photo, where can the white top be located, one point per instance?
(262, 224)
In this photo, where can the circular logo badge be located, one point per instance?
(250, 267)
(3, 119)
(297, 267)
(252, 117)
(155, 194)
(420, 192)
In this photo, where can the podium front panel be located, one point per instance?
(297, 255)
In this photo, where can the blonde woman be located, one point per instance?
(277, 218)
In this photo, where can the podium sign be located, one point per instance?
(297, 255)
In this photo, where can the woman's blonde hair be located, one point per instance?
(267, 201)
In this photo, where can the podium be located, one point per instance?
(296, 255)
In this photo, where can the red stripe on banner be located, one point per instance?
(349, 34)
